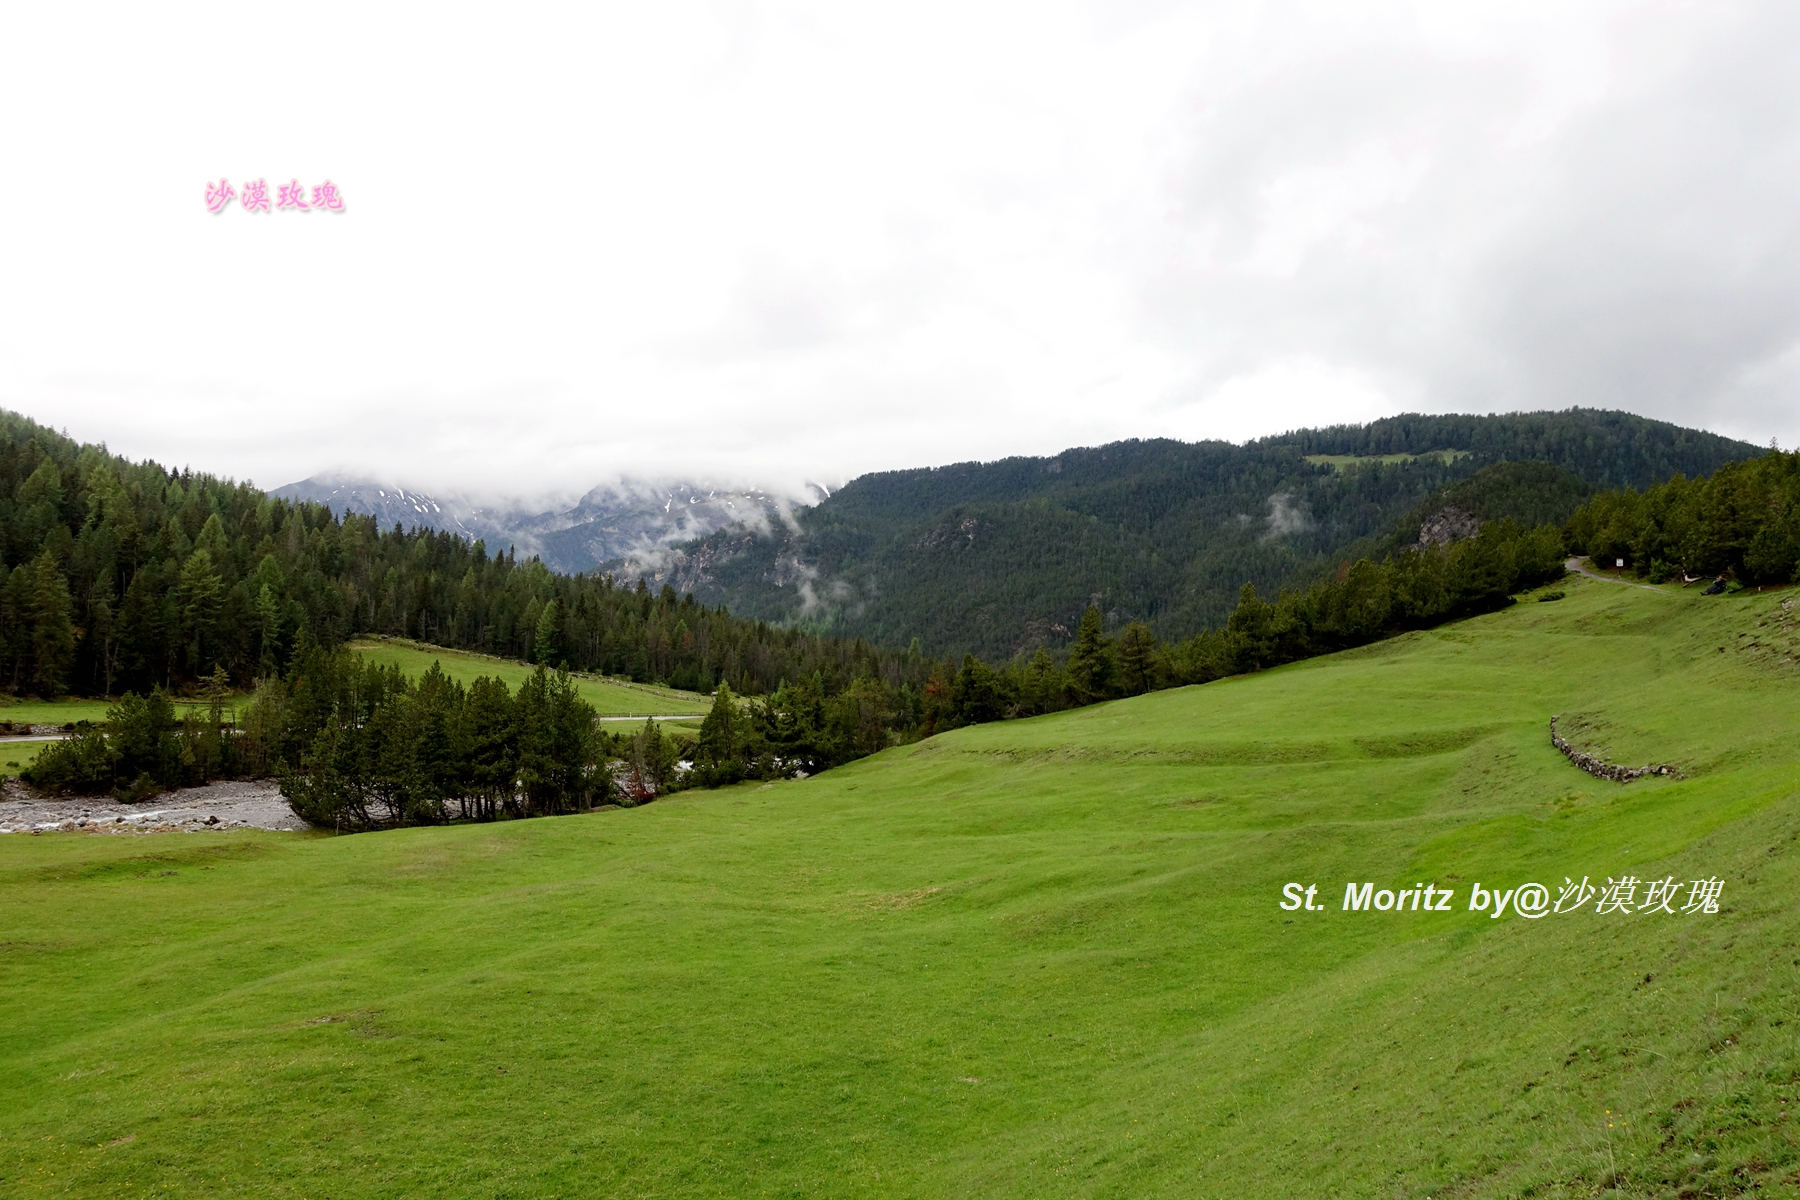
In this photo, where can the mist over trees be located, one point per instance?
(998, 558)
(119, 576)
(174, 590)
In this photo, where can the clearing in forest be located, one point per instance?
(610, 697)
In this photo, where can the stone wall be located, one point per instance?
(1600, 768)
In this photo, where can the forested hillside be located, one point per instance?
(118, 576)
(127, 578)
(1000, 558)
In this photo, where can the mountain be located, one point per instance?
(997, 558)
(628, 518)
(121, 576)
(389, 504)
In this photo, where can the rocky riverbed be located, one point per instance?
(231, 804)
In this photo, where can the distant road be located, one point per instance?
(676, 717)
(1574, 564)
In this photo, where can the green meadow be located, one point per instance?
(1341, 462)
(53, 712)
(70, 710)
(610, 697)
(1037, 958)
(16, 756)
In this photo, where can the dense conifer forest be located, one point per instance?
(118, 576)
(1741, 525)
(132, 581)
(1000, 558)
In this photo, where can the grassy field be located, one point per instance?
(16, 756)
(1040, 958)
(67, 712)
(53, 712)
(1340, 462)
(611, 697)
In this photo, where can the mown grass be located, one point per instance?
(1039, 958)
(610, 697)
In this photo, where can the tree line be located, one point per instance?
(128, 580)
(360, 746)
(998, 558)
(357, 746)
(1743, 522)
(126, 577)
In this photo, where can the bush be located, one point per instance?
(79, 765)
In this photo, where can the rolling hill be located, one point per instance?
(1037, 957)
(999, 558)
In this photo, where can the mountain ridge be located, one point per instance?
(999, 558)
(608, 521)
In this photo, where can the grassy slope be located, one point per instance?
(1037, 958)
(611, 697)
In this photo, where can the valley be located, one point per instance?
(1035, 956)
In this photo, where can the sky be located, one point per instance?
(770, 243)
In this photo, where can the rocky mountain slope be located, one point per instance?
(613, 520)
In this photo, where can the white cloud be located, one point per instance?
(780, 241)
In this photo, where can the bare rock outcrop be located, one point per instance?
(1448, 524)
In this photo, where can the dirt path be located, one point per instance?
(231, 804)
(1574, 564)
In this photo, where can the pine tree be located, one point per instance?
(719, 752)
(200, 590)
(1136, 653)
(1043, 686)
(101, 620)
(52, 628)
(489, 748)
(1091, 660)
(976, 693)
(38, 504)
(546, 647)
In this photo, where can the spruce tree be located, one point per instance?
(52, 628)
(718, 754)
(1136, 653)
(200, 591)
(546, 647)
(976, 693)
(1043, 684)
(1091, 660)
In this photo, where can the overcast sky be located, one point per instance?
(771, 242)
